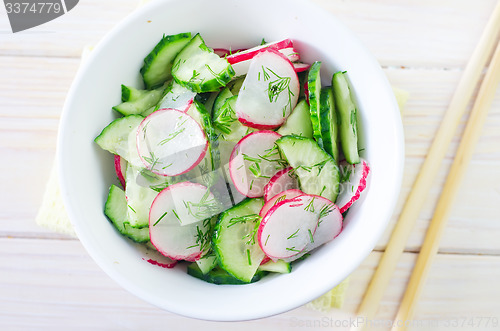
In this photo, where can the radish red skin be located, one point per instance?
(257, 126)
(301, 67)
(120, 168)
(160, 264)
(289, 194)
(248, 54)
(361, 186)
(265, 260)
(270, 189)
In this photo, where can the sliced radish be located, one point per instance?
(170, 142)
(288, 227)
(285, 195)
(283, 180)
(329, 226)
(265, 260)
(254, 160)
(353, 182)
(301, 67)
(177, 97)
(291, 53)
(241, 68)
(120, 169)
(167, 265)
(269, 92)
(179, 221)
(248, 54)
(222, 52)
(240, 60)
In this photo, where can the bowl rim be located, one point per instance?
(323, 281)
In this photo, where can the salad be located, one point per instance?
(237, 163)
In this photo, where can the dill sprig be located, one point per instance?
(161, 217)
(326, 210)
(319, 166)
(255, 218)
(203, 209)
(293, 235)
(243, 219)
(171, 136)
(310, 206)
(226, 118)
(152, 159)
(345, 176)
(278, 86)
(202, 237)
(217, 76)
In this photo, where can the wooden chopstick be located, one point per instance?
(426, 177)
(459, 166)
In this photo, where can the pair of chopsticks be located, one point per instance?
(416, 199)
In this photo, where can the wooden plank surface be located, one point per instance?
(54, 284)
(47, 281)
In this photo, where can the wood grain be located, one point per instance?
(54, 284)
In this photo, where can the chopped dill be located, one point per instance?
(161, 217)
(249, 257)
(310, 206)
(311, 239)
(293, 235)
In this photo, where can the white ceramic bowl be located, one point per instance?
(86, 171)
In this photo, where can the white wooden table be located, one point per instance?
(47, 280)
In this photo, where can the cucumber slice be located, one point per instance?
(234, 240)
(207, 262)
(348, 127)
(221, 98)
(299, 122)
(139, 198)
(130, 93)
(219, 276)
(279, 266)
(119, 138)
(328, 122)
(236, 84)
(207, 100)
(138, 102)
(226, 123)
(205, 172)
(314, 91)
(316, 170)
(157, 68)
(116, 210)
(200, 69)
